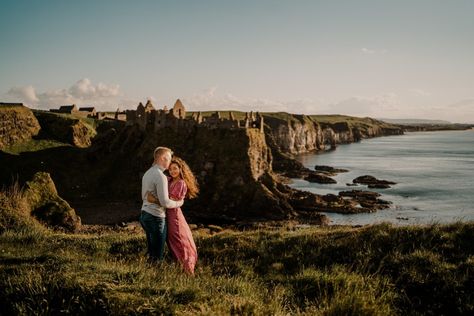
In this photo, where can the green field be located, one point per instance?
(374, 270)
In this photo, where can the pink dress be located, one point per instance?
(180, 240)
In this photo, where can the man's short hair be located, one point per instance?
(160, 151)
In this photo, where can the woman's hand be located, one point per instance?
(152, 199)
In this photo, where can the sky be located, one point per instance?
(384, 59)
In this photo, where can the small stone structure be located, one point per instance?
(66, 109)
(72, 109)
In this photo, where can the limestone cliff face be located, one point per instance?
(259, 155)
(295, 134)
(17, 124)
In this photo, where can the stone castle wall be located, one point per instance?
(149, 118)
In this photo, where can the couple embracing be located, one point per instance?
(161, 216)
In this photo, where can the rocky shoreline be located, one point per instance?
(242, 183)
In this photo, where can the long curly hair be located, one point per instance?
(187, 175)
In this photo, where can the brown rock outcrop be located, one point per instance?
(65, 129)
(17, 124)
(47, 206)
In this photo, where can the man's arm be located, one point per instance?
(162, 193)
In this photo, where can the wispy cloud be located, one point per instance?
(378, 105)
(369, 51)
(210, 99)
(420, 92)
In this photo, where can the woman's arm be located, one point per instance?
(151, 198)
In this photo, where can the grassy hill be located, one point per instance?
(373, 270)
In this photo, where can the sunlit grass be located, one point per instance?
(373, 270)
(33, 145)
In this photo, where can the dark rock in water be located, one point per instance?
(351, 184)
(360, 194)
(306, 201)
(379, 186)
(373, 182)
(329, 169)
(332, 198)
(319, 178)
(369, 201)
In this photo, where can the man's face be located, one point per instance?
(165, 160)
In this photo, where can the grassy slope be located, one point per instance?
(363, 122)
(374, 270)
(90, 122)
(33, 145)
(41, 144)
(377, 270)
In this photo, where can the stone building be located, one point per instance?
(66, 109)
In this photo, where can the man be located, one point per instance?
(153, 215)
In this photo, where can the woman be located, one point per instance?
(182, 183)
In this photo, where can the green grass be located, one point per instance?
(33, 145)
(90, 122)
(351, 120)
(373, 270)
(378, 270)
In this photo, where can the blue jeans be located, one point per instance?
(155, 230)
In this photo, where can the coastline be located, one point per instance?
(414, 201)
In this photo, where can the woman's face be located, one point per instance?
(174, 170)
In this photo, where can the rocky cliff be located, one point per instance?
(294, 134)
(233, 168)
(17, 124)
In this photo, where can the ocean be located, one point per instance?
(434, 172)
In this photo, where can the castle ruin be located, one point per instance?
(148, 118)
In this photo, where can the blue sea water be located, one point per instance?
(434, 172)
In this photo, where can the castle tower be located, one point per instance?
(178, 110)
(247, 120)
(260, 122)
(149, 106)
(160, 119)
(141, 118)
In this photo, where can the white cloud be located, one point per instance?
(26, 94)
(369, 51)
(84, 89)
(83, 92)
